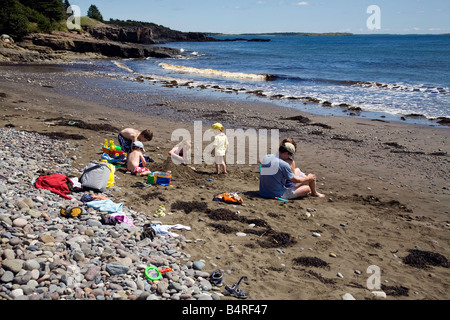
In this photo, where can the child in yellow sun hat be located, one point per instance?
(220, 147)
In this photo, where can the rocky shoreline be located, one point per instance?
(46, 256)
(98, 41)
(64, 46)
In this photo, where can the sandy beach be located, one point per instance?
(386, 185)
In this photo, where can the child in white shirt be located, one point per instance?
(220, 148)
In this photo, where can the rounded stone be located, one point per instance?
(31, 265)
(8, 276)
(14, 265)
(198, 265)
(20, 222)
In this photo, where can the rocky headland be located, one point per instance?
(99, 41)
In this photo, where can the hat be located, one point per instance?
(289, 147)
(218, 126)
(138, 144)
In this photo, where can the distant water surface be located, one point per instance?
(393, 74)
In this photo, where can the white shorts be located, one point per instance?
(289, 193)
(219, 159)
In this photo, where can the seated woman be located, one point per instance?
(308, 186)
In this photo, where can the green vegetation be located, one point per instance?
(94, 13)
(88, 22)
(133, 23)
(20, 17)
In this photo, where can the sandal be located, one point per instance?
(73, 212)
(235, 292)
(140, 185)
(148, 232)
(216, 277)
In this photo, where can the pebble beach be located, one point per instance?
(46, 256)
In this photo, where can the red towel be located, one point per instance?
(56, 183)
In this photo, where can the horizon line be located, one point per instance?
(331, 32)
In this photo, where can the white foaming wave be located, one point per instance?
(150, 77)
(397, 102)
(215, 73)
(404, 87)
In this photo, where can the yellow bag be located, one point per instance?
(111, 175)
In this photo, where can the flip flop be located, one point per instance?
(235, 292)
(216, 277)
(140, 185)
(73, 212)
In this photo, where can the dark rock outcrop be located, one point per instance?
(103, 40)
(144, 35)
(45, 43)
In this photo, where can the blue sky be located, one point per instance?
(255, 16)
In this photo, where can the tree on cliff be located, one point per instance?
(52, 9)
(19, 17)
(94, 13)
(66, 5)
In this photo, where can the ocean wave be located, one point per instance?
(216, 73)
(402, 87)
(346, 98)
(149, 76)
(371, 84)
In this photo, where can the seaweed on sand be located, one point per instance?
(188, 207)
(322, 278)
(272, 238)
(395, 291)
(276, 239)
(422, 259)
(83, 125)
(62, 135)
(311, 262)
(151, 195)
(223, 228)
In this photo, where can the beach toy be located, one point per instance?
(161, 212)
(111, 149)
(281, 199)
(158, 177)
(154, 274)
(106, 158)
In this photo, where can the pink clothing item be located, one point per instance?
(122, 218)
(140, 170)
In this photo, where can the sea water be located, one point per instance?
(390, 74)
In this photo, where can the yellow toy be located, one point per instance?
(111, 149)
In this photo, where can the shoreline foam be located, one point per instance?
(216, 73)
(325, 107)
